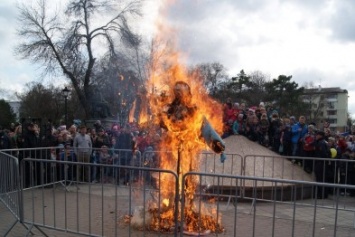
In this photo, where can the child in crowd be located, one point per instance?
(106, 159)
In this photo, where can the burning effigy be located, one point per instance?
(177, 102)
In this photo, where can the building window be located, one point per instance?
(332, 96)
(332, 112)
(333, 121)
(331, 105)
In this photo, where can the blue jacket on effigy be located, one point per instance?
(213, 140)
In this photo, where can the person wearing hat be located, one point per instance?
(83, 148)
(320, 169)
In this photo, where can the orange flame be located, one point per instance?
(182, 131)
(181, 139)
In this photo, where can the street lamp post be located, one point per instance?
(66, 94)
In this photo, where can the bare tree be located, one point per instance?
(211, 74)
(71, 42)
(256, 92)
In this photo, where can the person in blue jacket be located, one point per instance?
(299, 130)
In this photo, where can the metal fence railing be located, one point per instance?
(324, 170)
(10, 189)
(120, 195)
(87, 208)
(271, 216)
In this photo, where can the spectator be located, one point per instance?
(320, 169)
(298, 131)
(242, 110)
(350, 142)
(72, 133)
(5, 141)
(17, 140)
(104, 157)
(236, 111)
(32, 140)
(332, 166)
(99, 141)
(228, 111)
(326, 129)
(142, 141)
(67, 171)
(123, 147)
(102, 139)
(292, 120)
(83, 149)
(136, 161)
(308, 148)
(251, 131)
(228, 129)
(264, 130)
(351, 173)
(345, 168)
(275, 131)
(239, 126)
(285, 140)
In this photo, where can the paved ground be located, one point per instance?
(78, 211)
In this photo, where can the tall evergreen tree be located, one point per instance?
(285, 94)
(7, 115)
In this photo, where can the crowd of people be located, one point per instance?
(295, 138)
(98, 145)
(289, 136)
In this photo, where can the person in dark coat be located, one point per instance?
(345, 169)
(123, 147)
(5, 141)
(320, 167)
(32, 140)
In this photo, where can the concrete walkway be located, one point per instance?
(85, 211)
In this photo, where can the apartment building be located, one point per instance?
(329, 104)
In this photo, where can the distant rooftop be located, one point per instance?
(325, 90)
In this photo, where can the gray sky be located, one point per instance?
(312, 40)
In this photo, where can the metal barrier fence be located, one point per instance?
(86, 208)
(54, 196)
(10, 194)
(328, 170)
(324, 170)
(271, 217)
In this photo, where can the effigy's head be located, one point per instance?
(182, 91)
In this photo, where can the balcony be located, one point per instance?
(334, 116)
(332, 100)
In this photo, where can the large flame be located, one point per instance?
(181, 140)
(181, 117)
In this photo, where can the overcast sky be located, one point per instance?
(312, 40)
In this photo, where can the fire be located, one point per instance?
(180, 105)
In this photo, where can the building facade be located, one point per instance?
(328, 104)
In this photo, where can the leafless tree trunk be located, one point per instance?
(69, 42)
